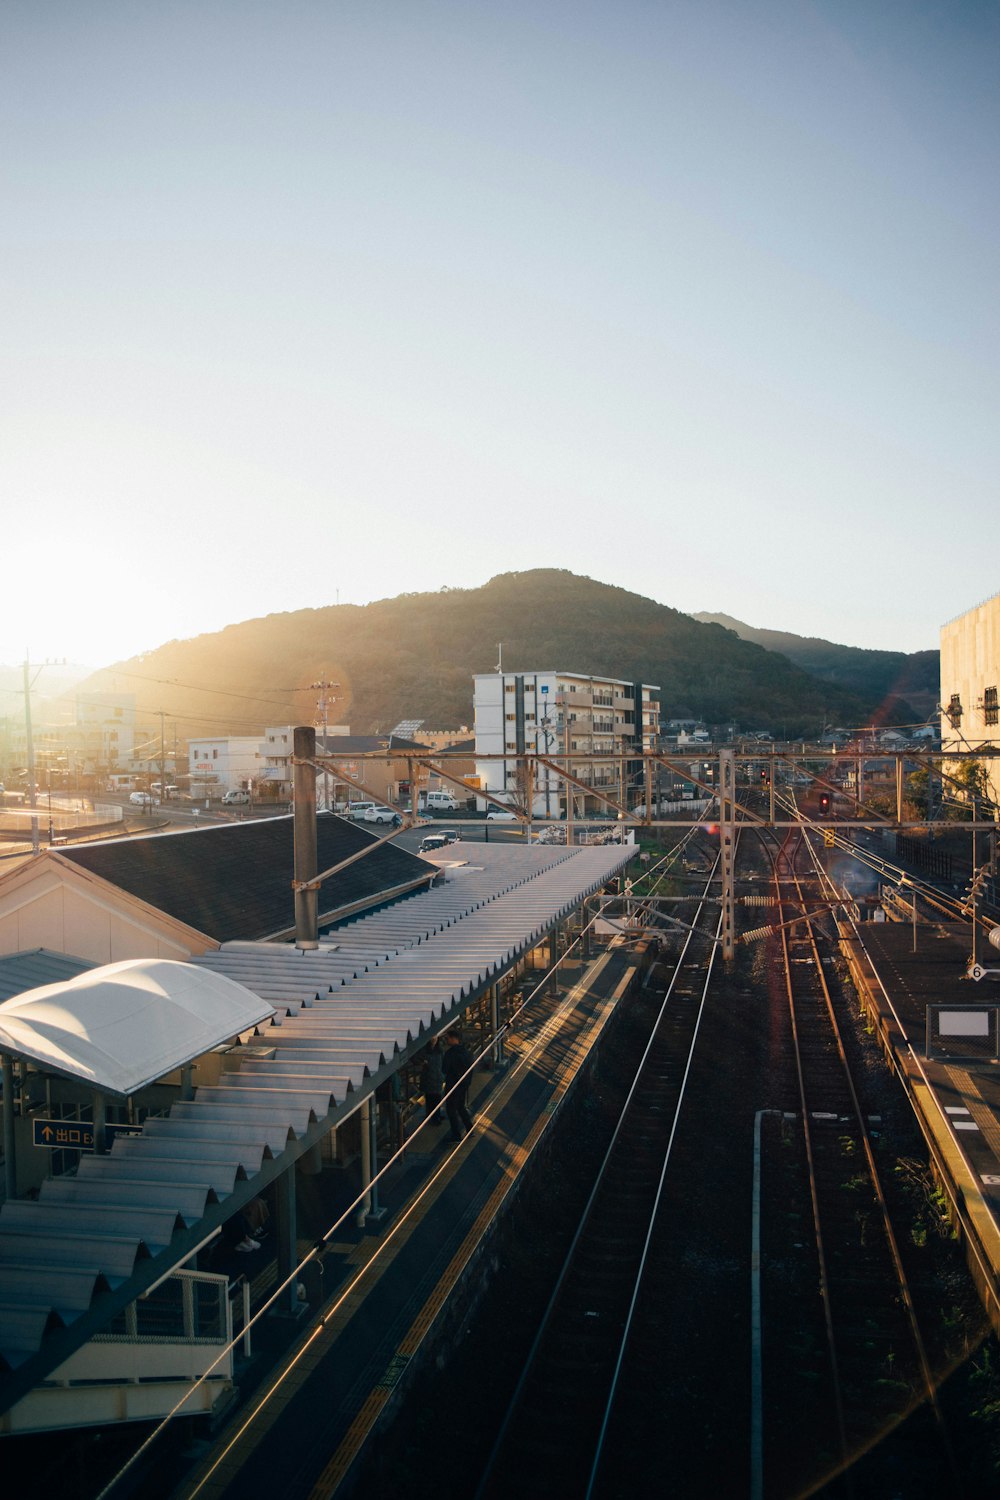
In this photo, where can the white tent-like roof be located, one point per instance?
(122, 1026)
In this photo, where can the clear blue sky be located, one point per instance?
(316, 300)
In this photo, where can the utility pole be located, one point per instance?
(29, 683)
(727, 849)
(323, 687)
(163, 763)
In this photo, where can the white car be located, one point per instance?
(376, 814)
(497, 815)
(142, 799)
(235, 798)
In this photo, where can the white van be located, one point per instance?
(235, 797)
(440, 802)
(359, 810)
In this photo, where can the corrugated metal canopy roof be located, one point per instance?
(35, 966)
(122, 1026)
(344, 1013)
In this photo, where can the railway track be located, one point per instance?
(876, 1377)
(552, 1436)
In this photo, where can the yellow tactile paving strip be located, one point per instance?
(978, 1109)
(961, 1174)
(371, 1258)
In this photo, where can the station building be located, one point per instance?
(173, 1060)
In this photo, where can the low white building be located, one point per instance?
(561, 713)
(224, 764)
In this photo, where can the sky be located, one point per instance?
(311, 303)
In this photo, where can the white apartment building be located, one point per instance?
(105, 734)
(970, 683)
(555, 713)
(274, 763)
(224, 764)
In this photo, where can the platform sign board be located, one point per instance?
(74, 1135)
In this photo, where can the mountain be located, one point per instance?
(909, 680)
(414, 657)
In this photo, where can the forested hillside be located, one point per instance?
(878, 676)
(414, 657)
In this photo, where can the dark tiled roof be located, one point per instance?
(26, 971)
(235, 881)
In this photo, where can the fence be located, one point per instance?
(966, 1033)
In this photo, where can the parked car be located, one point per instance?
(450, 835)
(377, 814)
(142, 799)
(497, 815)
(438, 802)
(431, 842)
(233, 798)
(357, 810)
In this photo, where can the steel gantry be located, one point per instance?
(860, 788)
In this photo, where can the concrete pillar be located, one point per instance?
(304, 825)
(100, 1118)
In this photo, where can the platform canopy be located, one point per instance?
(123, 1026)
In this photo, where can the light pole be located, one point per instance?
(323, 687)
(546, 728)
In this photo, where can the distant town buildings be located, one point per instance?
(557, 713)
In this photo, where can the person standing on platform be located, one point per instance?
(432, 1081)
(456, 1063)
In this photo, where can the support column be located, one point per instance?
(9, 1137)
(498, 1054)
(553, 960)
(306, 868)
(100, 1119)
(365, 1206)
(727, 842)
(287, 1236)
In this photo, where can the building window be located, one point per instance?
(954, 711)
(215, 754)
(991, 708)
(510, 718)
(508, 687)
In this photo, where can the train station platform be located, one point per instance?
(941, 1032)
(386, 1301)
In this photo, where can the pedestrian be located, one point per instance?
(432, 1081)
(457, 1064)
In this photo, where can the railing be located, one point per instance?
(64, 813)
(188, 1305)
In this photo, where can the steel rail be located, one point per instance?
(824, 1280)
(906, 1294)
(861, 1126)
(516, 1400)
